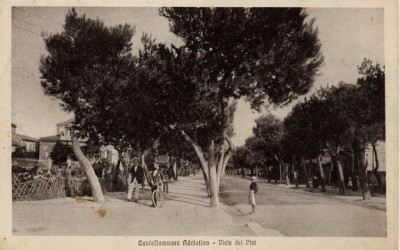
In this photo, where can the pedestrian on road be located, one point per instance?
(252, 193)
(156, 177)
(135, 179)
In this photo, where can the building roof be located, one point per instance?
(16, 142)
(65, 122)
(56, 138)
(23, 137)
(52, 138)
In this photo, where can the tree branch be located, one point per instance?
(232, 147)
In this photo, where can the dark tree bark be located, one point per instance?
(125, 172)
(375, 169)
(354, 172)
(214, 199)
(321, 174)
(144, 166)
(268, 174)
(341, 176)
(295, 172)
(305, 172)
(287, 172)
(116, 173)
(360, 154)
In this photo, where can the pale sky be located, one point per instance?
(347, 36)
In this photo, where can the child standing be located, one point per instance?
(252, 193)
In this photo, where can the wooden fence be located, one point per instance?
(39, 189)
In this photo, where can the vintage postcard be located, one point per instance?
(207, 124)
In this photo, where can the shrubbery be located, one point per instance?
(60, 153)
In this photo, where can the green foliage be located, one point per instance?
(262, 54)
(60, 152)
(20, 152)
(265, 143)
(229, 53)
(243, 158)
(339, 116)
(258, 53)
(86, 67)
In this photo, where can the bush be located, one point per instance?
(60, 153)
(21, 152)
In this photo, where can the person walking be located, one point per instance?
(135, 179)
(252, 193)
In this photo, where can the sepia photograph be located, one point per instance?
(200, 126)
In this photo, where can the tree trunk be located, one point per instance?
(87, 167)
(305, 172)
(280, 168)
(143, 163)
(225, 155)
(287, 170)
(321, 173)
(200, 157)
(295, 174)
(359, 153)
(220, 164)
(174, 168)
(341, 177)
(354, 179)
(375, 169)
(268, 173)
(116, 173)
(225, 163)
(214, 199)
(125, 173)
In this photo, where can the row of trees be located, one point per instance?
(178, 95)
(339, 120)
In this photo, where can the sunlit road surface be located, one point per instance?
(298, 213)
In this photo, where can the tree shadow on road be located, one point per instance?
(190, 195)
(186, 200)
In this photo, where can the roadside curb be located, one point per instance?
(361, 203)
(366, 204)
(256, 228)
(261, 231)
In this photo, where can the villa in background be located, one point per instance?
(22, 141)
(64, 130)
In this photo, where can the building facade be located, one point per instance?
(64, 131)
(22, 141)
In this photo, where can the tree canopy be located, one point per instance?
(266, 55)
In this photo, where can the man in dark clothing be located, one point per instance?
(135, 179)
(252, 194)
(98, 168)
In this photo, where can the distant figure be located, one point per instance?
(59, 172)
(98, 168)
(194, 169)
(252, 193)
(49, 164)
(69, 162)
